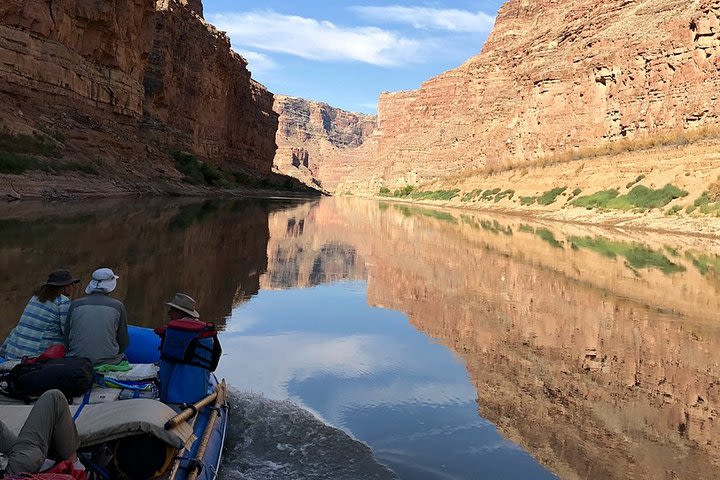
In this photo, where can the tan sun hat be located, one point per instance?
(184, 303)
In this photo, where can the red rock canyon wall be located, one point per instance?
(122, 83)
(313, 137)
(554, 75)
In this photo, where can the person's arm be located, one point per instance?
(63, 309)
(123, 338)
(65, 325)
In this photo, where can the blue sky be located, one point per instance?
(346, 52)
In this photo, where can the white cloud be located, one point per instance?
(309, 355)
(259, 62)
(320, 40)
(430, 18)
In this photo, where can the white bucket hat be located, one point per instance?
(103, 280)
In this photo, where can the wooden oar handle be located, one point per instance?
(200, 453)
(190, 412)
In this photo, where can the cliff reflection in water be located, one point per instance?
(595, 350)
(213, 250)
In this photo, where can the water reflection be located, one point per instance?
(366, 370)
(213, 250)
(594, 350)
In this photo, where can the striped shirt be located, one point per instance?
(40, 326)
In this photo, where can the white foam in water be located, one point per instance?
(269, 439)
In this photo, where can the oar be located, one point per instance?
(179, 456)
(192, 475)
(190, 412)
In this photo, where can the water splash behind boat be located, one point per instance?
(270, 440)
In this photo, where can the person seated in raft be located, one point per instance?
(182, 307)
(96, 326)
(49, 432)
(42, 321)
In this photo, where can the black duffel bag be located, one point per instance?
(73, 376)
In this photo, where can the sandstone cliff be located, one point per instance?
(554, 75)
(313, 138)
(199, 95)
(120, 85)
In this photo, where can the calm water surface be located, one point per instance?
(372, 340)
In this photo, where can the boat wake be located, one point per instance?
(270, 439)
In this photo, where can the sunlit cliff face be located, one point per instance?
(595, 350)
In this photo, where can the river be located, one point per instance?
(371, 340)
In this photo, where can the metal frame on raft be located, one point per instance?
(193, 412)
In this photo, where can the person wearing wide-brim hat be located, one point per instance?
(182, 306)
(96, 326)
(41, 323)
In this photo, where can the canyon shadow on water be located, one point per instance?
(379, 340)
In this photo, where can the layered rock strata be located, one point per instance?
(121, 84)
(199, 95)
(553, 76)
(313, 138)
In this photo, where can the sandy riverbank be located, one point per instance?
(78, 186)
(692, 168)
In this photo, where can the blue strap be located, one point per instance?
(85, 401)
(104, 382)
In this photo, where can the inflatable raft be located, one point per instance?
(127, 433)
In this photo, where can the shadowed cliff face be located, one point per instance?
(554, 75)
(122, 84)
(593, 349)
(199, 88)
(214, 251)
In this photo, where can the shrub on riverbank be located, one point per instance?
(704, 205)
(23, 153)
(472, 195)
(639, 197)
(549, 197)
(28, 145)
(547, 236)
(436, 195)
(509, 194)
(637, 180)
(411, 193)
(197, 172)
(17, 164)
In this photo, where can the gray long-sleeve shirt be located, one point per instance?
(96, 328)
